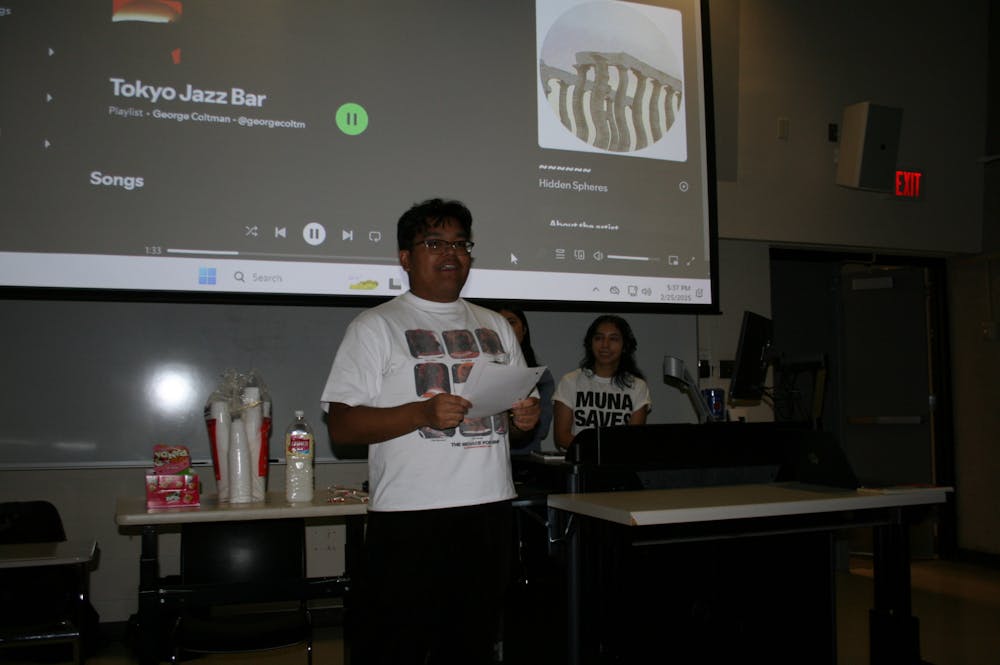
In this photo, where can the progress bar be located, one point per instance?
(391, 260)
(628, 258)
(226, 252)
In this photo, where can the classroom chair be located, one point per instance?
(46, 606)
(242, 588)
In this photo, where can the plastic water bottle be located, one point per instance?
(299, 451)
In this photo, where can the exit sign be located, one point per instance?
(908, 184)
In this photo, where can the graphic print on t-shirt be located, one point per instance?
(424, 344)
(431, 379)
(490, 342)
(460, 344)
(602, 409)
(460, 372)
(436, 375)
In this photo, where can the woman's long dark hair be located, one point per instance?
(627, 368)
(526, 350)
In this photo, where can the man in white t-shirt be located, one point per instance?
(439, 522)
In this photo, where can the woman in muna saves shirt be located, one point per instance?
(607, 389)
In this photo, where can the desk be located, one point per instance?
(132, 513)
(743, 511)
(56, 625)
(67, 552)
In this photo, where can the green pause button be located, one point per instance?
(352, 119)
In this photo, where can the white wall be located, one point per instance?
(805, 61)
(974, 297)
(975, 373)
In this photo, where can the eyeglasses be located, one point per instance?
(438, 246)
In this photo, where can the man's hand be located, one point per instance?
(365, 425)
(444, 411)
(525, 413)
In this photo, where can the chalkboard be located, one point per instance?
(99, 383)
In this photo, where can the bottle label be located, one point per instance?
(299, 444)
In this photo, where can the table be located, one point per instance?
(131, 513)
(706, 514)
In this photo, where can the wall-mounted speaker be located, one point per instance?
(869, 143)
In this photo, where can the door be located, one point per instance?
(887, 414)
(886, 427)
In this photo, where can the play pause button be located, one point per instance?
(351, 119)
(314, 233)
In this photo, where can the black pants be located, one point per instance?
(434, 585)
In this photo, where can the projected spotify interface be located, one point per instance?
(284, 139)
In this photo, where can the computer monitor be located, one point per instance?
(753, 356)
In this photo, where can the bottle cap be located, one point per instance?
(300, 414)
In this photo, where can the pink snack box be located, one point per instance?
(169, 490)
(170, 459)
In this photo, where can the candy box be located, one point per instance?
(172, 490)
(170, 459)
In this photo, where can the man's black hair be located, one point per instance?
(431, 214)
